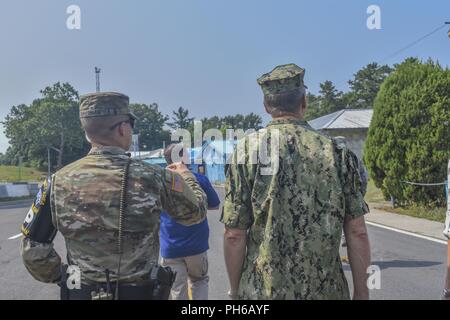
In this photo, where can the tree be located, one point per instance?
(366, 84)
(150, 126)
(3, 160)
(50, 122)
(244, 122)
(252, 121)
(211, 123)
(330, 98)
(181, 119)
(328, 101)
(313, 107)
(408, 139)
(16, 130)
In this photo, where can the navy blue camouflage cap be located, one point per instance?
(283, 78)
(105, 104)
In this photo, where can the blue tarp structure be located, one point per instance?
(210, 159)
(159, 161)
(215, 155)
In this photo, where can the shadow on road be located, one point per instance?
(405, 264)
(400, 264)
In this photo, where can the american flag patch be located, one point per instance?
(177, 184)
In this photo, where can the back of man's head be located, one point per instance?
(285, 102)
(102, 114)
(98, 129)
(284, 90)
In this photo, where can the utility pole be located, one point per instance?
(97, 79)
(49, 166)
(20, 168)
(448, 32)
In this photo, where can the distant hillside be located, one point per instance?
(13, 174)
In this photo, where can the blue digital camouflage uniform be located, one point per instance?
(294, 216)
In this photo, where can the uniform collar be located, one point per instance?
(289, 121)
(107, 150)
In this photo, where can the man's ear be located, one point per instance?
(121, 130)
(266, 107)
(304, 105)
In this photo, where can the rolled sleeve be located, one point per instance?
(355, 206)
(237, 208)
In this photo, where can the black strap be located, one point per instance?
(123, 205)
(126, 292)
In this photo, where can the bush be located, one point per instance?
(409, 137)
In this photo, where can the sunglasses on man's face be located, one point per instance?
(131, 121)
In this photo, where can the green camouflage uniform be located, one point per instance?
(85, 198)
(341, 142)
(295, 216)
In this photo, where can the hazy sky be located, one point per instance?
(204, 55)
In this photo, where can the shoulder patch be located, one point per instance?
(175, 180)
(177, 183)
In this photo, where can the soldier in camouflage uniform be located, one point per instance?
(283, 229)
(342, 143)
(85, 200)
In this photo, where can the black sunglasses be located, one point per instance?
(131, 122)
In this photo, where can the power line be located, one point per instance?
(412, 43)
(425, 184)
(380, 63)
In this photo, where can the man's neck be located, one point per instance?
(289, 117)
(100, 146)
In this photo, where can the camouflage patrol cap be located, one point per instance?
(283, 78)
(104, 104)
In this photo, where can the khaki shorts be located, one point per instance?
(192, 273)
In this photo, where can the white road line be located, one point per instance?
(406, 232)
(395, 230)
(15, 237)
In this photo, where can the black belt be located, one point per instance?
(94, 292)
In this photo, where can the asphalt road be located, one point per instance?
(411, 268)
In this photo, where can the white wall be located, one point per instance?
(11, 190)
(355, 139)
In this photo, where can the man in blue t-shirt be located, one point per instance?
(184, 249)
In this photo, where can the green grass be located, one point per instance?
(375, 197)
(11, 174)
(373, 194)
(434, 214)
